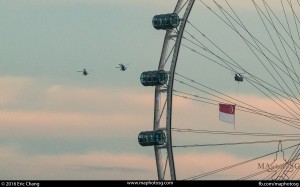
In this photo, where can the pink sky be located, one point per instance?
(57, 124)
(123, 122)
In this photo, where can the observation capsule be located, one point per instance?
(238, 77)
(154, 78)
(166, 21)
(150, 138)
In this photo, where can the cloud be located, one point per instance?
(80, 114)
(104, 99)
(12, 88)
(70, 111)
(14, 164)
(64, 111)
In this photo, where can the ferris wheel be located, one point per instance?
(254, 42)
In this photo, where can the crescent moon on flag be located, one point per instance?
(231, 108)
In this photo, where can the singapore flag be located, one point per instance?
(227, 113)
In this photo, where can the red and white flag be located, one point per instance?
(227, 113)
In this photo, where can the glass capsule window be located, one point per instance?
(160, 137)
(154, 78)
(174, 20)
(150, 138)
(166, 21)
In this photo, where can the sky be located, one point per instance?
(58, 124)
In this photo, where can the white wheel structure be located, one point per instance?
(186, 7)
(284, 49)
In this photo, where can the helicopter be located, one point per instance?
(238, 77)
(84, 72)
(122, 67)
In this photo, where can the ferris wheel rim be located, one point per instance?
(170, 158)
